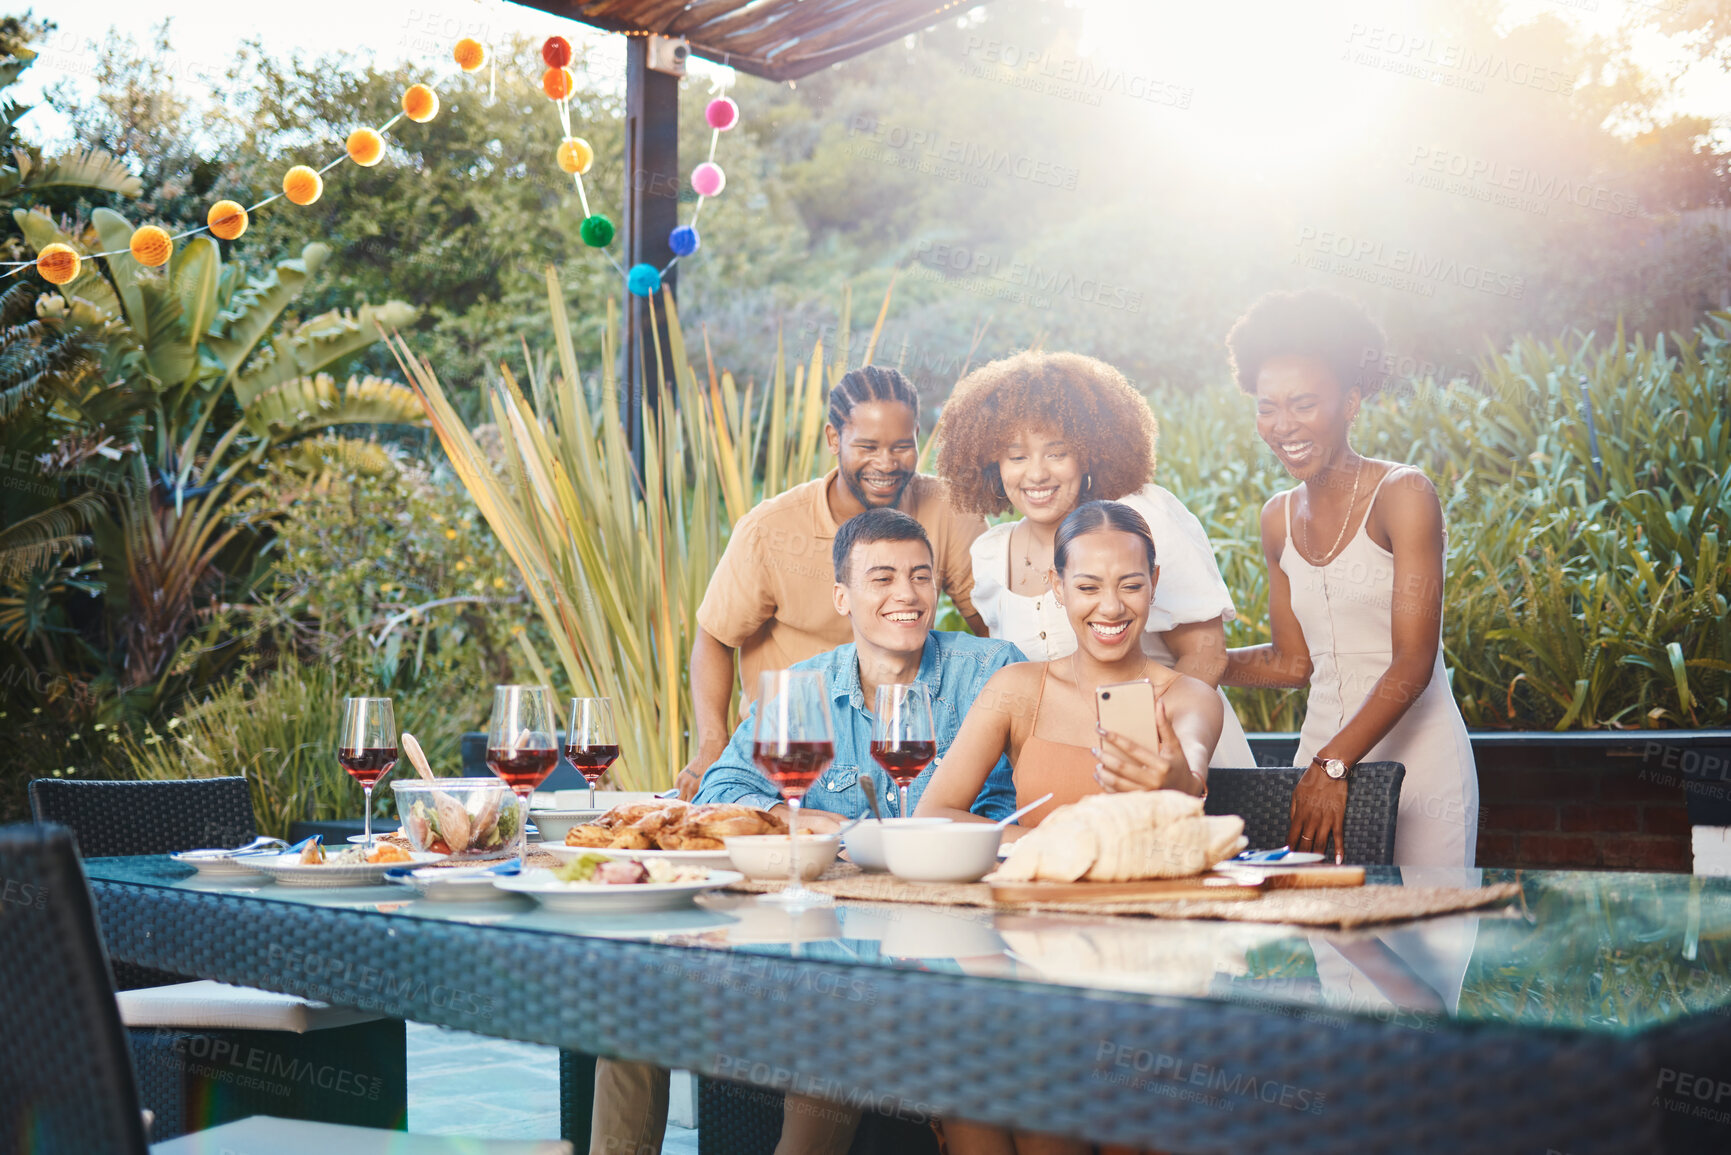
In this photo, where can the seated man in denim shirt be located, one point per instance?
(884, 585)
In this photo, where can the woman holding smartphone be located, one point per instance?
(1040, 433)
(1355, 581)
(1042, 714)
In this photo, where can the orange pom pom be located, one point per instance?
(420, 103)
(558, 83)
(471, 54)
(302, 185)
(366, 147)
(226, 220)
(151, 246)
(575, 155)
(58, 263)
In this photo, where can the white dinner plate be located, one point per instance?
(217, 863)
(595, 898)
(1296, 858)
(714, 859)
(288, 870)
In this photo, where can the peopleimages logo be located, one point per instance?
(1511, 186)
(1021, 281)
(1137, 1068)
(1412, 270)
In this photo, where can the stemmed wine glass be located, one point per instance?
(367, 747)
(903, 741)
(591, 742)
(792, 743)
(522, 746)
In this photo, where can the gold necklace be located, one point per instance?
(1076, 672)
(1346, 521)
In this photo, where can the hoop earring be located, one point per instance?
(1088, 483)
(998, 490)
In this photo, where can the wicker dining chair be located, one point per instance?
(66, 1075)
(160, 817)
(1262, 796)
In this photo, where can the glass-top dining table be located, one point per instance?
(1587, 1016)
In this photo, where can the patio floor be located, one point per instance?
(463, 1084)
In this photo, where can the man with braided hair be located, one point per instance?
(770, 596)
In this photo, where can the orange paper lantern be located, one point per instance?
(366, 147)
(575, 155)
(226, 219)
(558, 83)
(151, 246)
(471, 54)
(302, 185)
(57, 263)
(420, 103)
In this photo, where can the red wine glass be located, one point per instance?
(591, 742)
(903, 741)
(522, 746)
(367, 747)
(792, 743)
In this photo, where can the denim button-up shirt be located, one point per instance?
(954, 667)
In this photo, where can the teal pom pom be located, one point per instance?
(596, 231)
(643, 280)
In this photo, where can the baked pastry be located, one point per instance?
(1122, 838)
(589, 835)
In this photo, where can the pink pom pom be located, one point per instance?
(708, 179)
(722, 113)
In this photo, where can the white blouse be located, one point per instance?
(1190, 588)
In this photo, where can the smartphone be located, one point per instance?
(1127, 709)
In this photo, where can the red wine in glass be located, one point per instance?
(592, 761)
(367, 764)
(903, 761)
(523, 769)
(591, 740)
(793, 766)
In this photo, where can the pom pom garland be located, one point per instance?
(365, 147)
(596, 231)
(708, 179)
(302, 185)
(151, 246)
(470, 54)
(226, 220)
(683, 241)
(556, 52)
(575, 155)
(420, 103)
(722, 114)
(643, 280)
(58, 263)
(558, 83)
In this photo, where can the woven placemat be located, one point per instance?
(1346, 906)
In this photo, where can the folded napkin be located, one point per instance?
(214, 1005)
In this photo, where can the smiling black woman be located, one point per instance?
(1355, 578)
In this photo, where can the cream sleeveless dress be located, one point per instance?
(1190, 589)
(1344, 610)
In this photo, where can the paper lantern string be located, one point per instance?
(152, 245)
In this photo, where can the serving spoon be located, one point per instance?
(1015, 814)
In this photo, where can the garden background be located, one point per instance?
(225, 507)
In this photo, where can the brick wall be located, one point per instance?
(1605, 813)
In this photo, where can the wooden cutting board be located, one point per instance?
(1217, 887)
(1214, 886)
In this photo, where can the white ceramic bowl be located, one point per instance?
(766, 855)
(554, 824)
(953, 852)
(865, 848)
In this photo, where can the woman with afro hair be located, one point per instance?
(1355, 579)
(1042, 433)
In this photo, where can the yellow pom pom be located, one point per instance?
(226, 219)
(302, 185)
(420, 103)
(471, 54)
(57, 263)
(575, 155)
(151, 246)
(366, 147)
